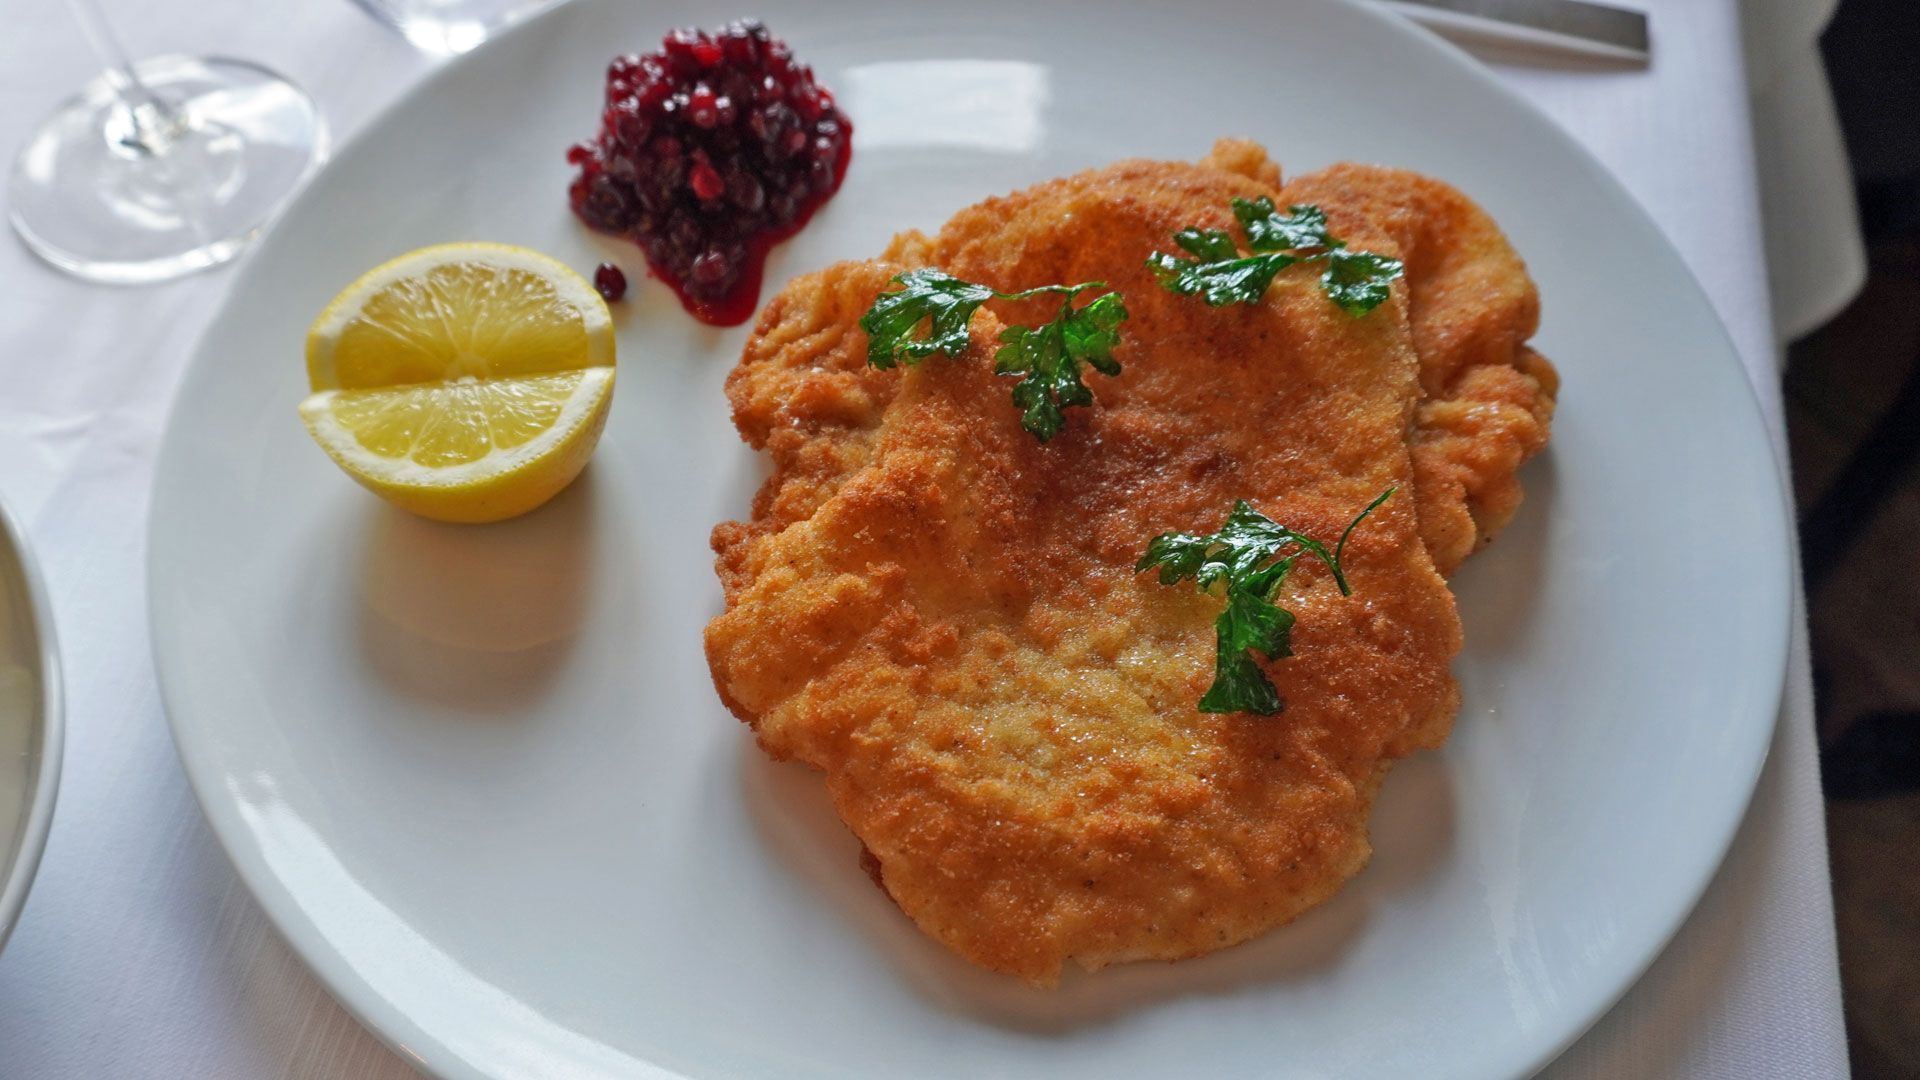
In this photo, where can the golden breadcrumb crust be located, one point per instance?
(941, 613)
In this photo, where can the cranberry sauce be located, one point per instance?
(711, 151)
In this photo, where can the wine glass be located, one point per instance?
(447, 27)
(163, 167)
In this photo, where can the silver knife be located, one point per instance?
(1576, 25)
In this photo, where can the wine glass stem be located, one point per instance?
(153, 123)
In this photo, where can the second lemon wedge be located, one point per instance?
(463, 382)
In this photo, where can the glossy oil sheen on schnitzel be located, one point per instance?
(941, 612)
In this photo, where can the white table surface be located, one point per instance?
(141, 955)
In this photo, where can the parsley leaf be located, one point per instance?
(1267, 230)
(1206, 243)
(1048, 356)
(1249, 622)
(1222, 281)
(1358, 281)
(1252, 554)
(943, 301)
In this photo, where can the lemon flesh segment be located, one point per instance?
(459, 311)
(466, 449)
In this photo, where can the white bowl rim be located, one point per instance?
(50, 730)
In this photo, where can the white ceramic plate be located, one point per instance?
(480, 779)
(30, 721)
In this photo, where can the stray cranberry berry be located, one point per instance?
(610, 282)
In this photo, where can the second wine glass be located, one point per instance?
(162, 167)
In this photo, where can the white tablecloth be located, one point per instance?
(141, 955)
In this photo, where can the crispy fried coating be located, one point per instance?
(1487, 399)
(941, 613)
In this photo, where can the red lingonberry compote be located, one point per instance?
(711, 151)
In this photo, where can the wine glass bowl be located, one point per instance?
(160, 168)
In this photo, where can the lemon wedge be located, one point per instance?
(463, 382)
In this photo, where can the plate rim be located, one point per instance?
(355, 995)
(50, 723)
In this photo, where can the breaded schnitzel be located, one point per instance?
(941, 613)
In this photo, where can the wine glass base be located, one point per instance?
(115, 197)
